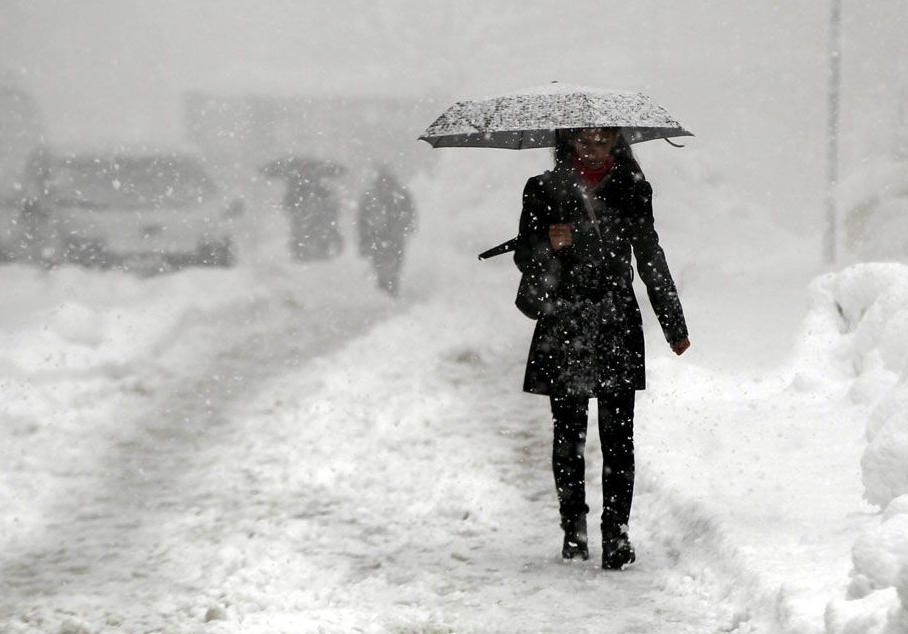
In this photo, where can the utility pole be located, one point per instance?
(830, 239)
(901, 138)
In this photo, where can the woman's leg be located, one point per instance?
(616, 432)
(570, 422)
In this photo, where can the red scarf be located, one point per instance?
(590, 177)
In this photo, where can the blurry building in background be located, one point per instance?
(240, 133)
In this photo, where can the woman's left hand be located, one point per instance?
(680, 346)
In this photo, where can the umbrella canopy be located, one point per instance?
(528, 118)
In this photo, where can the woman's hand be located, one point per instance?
(680, 346)
(560, 236)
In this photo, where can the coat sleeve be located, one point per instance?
(653, 267)
(533, 249)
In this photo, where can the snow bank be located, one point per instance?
(786, 529)
(853, 329)
(879, 556)
(76, 343)
(72, 321)
(885, 461)
(75, 320)
(872, 301)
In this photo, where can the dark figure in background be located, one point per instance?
(38, 230)
(387, 217)
(313, 209)
(579, 224)
(314, 215)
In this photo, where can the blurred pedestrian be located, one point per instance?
(39, 234)
(387, 217)
(311, 204)
(314, 215)
(579, 225)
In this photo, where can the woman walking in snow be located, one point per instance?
(579, 225)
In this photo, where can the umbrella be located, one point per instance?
(528, 118)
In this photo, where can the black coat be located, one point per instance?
(592, 343)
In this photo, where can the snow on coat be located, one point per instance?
(593, 341)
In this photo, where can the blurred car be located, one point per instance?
(143, 213)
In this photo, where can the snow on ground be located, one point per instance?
(279, 448)
(387, 485)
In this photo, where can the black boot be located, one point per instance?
(617, 550)
(575, 541)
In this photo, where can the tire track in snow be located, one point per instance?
(104, 547)
(428, 508)
(398, 484)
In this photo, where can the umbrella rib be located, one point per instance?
(494, 111)
(585, 100)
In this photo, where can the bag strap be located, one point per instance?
(592, 214)
(560, 198)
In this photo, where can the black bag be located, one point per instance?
(536, 291)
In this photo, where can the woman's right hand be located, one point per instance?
(680, 346)
(560, 236)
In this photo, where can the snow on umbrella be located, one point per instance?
(528, 118)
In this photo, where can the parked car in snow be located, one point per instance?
(139, 212)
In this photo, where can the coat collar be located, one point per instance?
(621, 175)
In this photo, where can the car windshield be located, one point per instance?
(159, 181)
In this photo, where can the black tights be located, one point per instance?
(616, 431)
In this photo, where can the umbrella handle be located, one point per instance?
(672, 143)
(504, 247)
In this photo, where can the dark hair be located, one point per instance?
(564, 149)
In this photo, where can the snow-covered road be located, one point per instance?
(127, 462)
(284, 469)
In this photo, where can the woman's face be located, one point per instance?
(594, 146)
